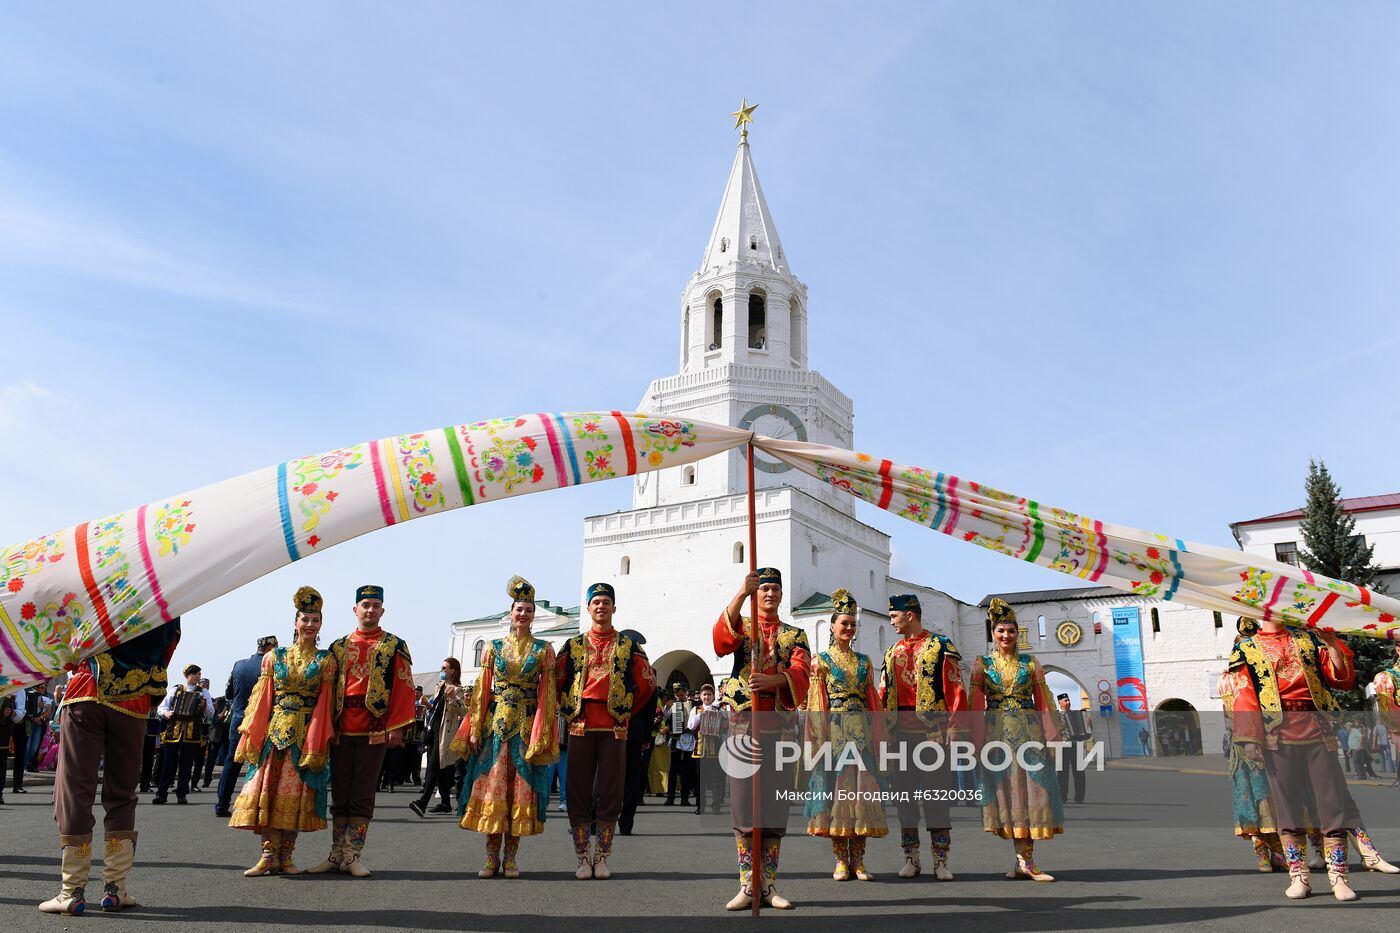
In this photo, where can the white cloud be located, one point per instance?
(16, 400)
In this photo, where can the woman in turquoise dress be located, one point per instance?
(508, 738)
(1008, 688)
(286, 738)
(844, 805)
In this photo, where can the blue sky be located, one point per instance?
(1136, 260)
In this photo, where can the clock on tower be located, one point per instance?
(777, 422)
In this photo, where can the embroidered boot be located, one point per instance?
(76, 862)
(508, 867)
(354, 850)
(858, 859)
(772, 851)
(271, 861)
(744, 899)
(116, 865)
(1025, 863)
(585, 861)
(909, 842)
(493, 856)
(1263, 858)
(1276, 852)
(289, 844)
(604, 849)
(940, 841)
(1370, 855)
(1313, 851)
(1299, 885)
(841, 848)
(337, 856)
(1337, 869)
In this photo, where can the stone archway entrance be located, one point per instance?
(1178, 728)
(682, 666)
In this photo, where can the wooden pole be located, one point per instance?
(755, 653)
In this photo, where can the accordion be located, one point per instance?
(712, 722)
(188, 705)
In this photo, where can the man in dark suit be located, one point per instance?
(1077, 728)
(638, 753)
(241, 682)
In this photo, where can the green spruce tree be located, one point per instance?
(1332, 547)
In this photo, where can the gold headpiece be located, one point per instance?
(520, 590)
(844, 603)
(307, 600)
(1000, 611)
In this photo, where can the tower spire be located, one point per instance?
(744, 228)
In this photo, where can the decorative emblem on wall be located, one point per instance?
(1068, 633)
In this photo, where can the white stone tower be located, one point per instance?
(679, 554)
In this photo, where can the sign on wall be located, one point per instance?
(1132, 686)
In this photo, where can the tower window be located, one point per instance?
(626, 567)
(738, 552)
(1156, 621)
(814, 555)
(717, 332)
(1040, 624)
(724, 244)
(479, 647)
(688, 476)
(758, 323)
(753, 243)
(872, 579)
(1219, 620)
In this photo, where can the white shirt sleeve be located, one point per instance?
(694, 722)
(165, 706)
(18, 714)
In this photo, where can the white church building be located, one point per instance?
(677, 556)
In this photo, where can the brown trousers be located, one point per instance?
(597, 770)
(96, 735)
(1293, 770)
(772, 811)
(920, 786)
(355, 767)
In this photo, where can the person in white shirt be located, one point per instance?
(185, 711)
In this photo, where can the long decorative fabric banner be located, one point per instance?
(72, 594)
(1151, 565)
(77, 592)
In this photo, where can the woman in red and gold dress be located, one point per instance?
(508, 738)
(286, 736)
(843, 710)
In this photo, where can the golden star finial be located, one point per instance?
(744, 115)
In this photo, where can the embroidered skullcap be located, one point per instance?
(307, 600)
(601, 589)
(520, 590)
(370, 591)
(1246, 626)
(193, 669)
(1000, 611)
(844, 603)
(908, 602)
(770, 575)
(1062, 696)
(267, 642)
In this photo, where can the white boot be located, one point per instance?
(76, 862)
(116, 865)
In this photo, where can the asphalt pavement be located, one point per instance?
(1152, 848)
